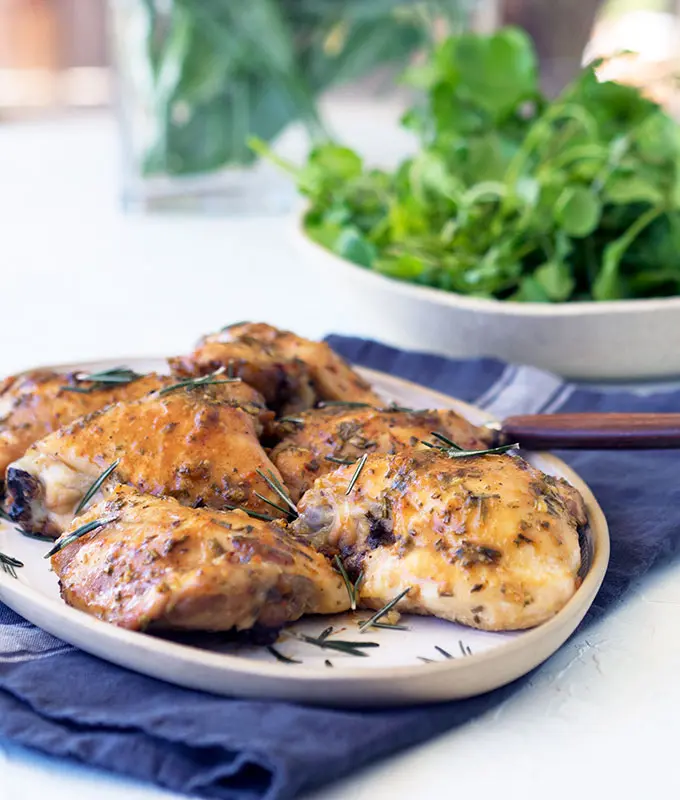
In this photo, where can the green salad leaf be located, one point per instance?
(510, 195)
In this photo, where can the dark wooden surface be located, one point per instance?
(593, 431)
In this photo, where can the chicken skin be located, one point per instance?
(37, 403)
(154, 563)
(487, 541)
(292, 373)
(199, 445)
(346, 433)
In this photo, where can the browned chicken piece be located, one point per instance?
(292, 373)
(36, 403)
(156, 564)
(345, 433)
(197, 444)
(487, 541)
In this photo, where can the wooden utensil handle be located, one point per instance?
(593, 431)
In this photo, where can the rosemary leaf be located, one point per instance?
(5, 516)
(281, 657)
(345, 461)
(453, 450)
(254, 514)
(442, 651)
(389, 627)
(293, 420)
(350, 648)
(88, 527)
(10, 565)
(37, 536)
(272, 481)
(351, 587)
(384, 610)
(196, 383)
(328, 663)
(116, 376)
(271, 503)
(325, 633)
(425, 660)
(342, 403)
(357, 472)
(96, 486)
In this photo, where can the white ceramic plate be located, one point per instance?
(394, 673)
(614, 340)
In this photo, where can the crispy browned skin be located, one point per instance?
(291, 372)
(199, 445)
(36, 403)
(487, 541)
(159, 564)
(347, 433)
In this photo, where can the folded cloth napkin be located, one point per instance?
(64, 702)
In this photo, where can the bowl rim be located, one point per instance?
(642, 306)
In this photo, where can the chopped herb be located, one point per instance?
(442, 651)
(464, 649)
(275, 485)
(352, 588)
(384, 610)
(345, 461)
(281, 657)
(426, 660)
(351, 648)
(328, 663)
(92, 491)
(357, 472)
(117, 376)
(254, 514)
(88, 527)
(10, 565)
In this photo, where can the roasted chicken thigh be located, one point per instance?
(291, 372)
(156, 564)
(314, 441)
(36, 403)
(197, 444)
(487, 541)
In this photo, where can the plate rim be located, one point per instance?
(294, 673)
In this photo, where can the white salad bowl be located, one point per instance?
(613, 340)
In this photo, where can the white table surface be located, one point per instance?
(80, 280)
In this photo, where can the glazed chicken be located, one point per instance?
(292, 373)
(37, 403)
(487, 541)
(197, 444)
(345, 433)
(154, 563)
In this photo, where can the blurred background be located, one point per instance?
(191, 80)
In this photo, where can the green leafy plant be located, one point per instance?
(214, 72)
(510, 195)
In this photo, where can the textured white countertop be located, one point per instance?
(80, 280)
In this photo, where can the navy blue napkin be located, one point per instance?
(64, 702)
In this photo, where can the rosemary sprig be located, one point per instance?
(116, 376)
(384, 610)
(272, 503)
(196, 383)
(281, 657)
(94, 525)
(10, 565)
(254, 514)
(453, 450)
(352, 588)
(275, 485)
(96, 486)
(342, 646)
(339, 403)
(345, 461)
(357, 472)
